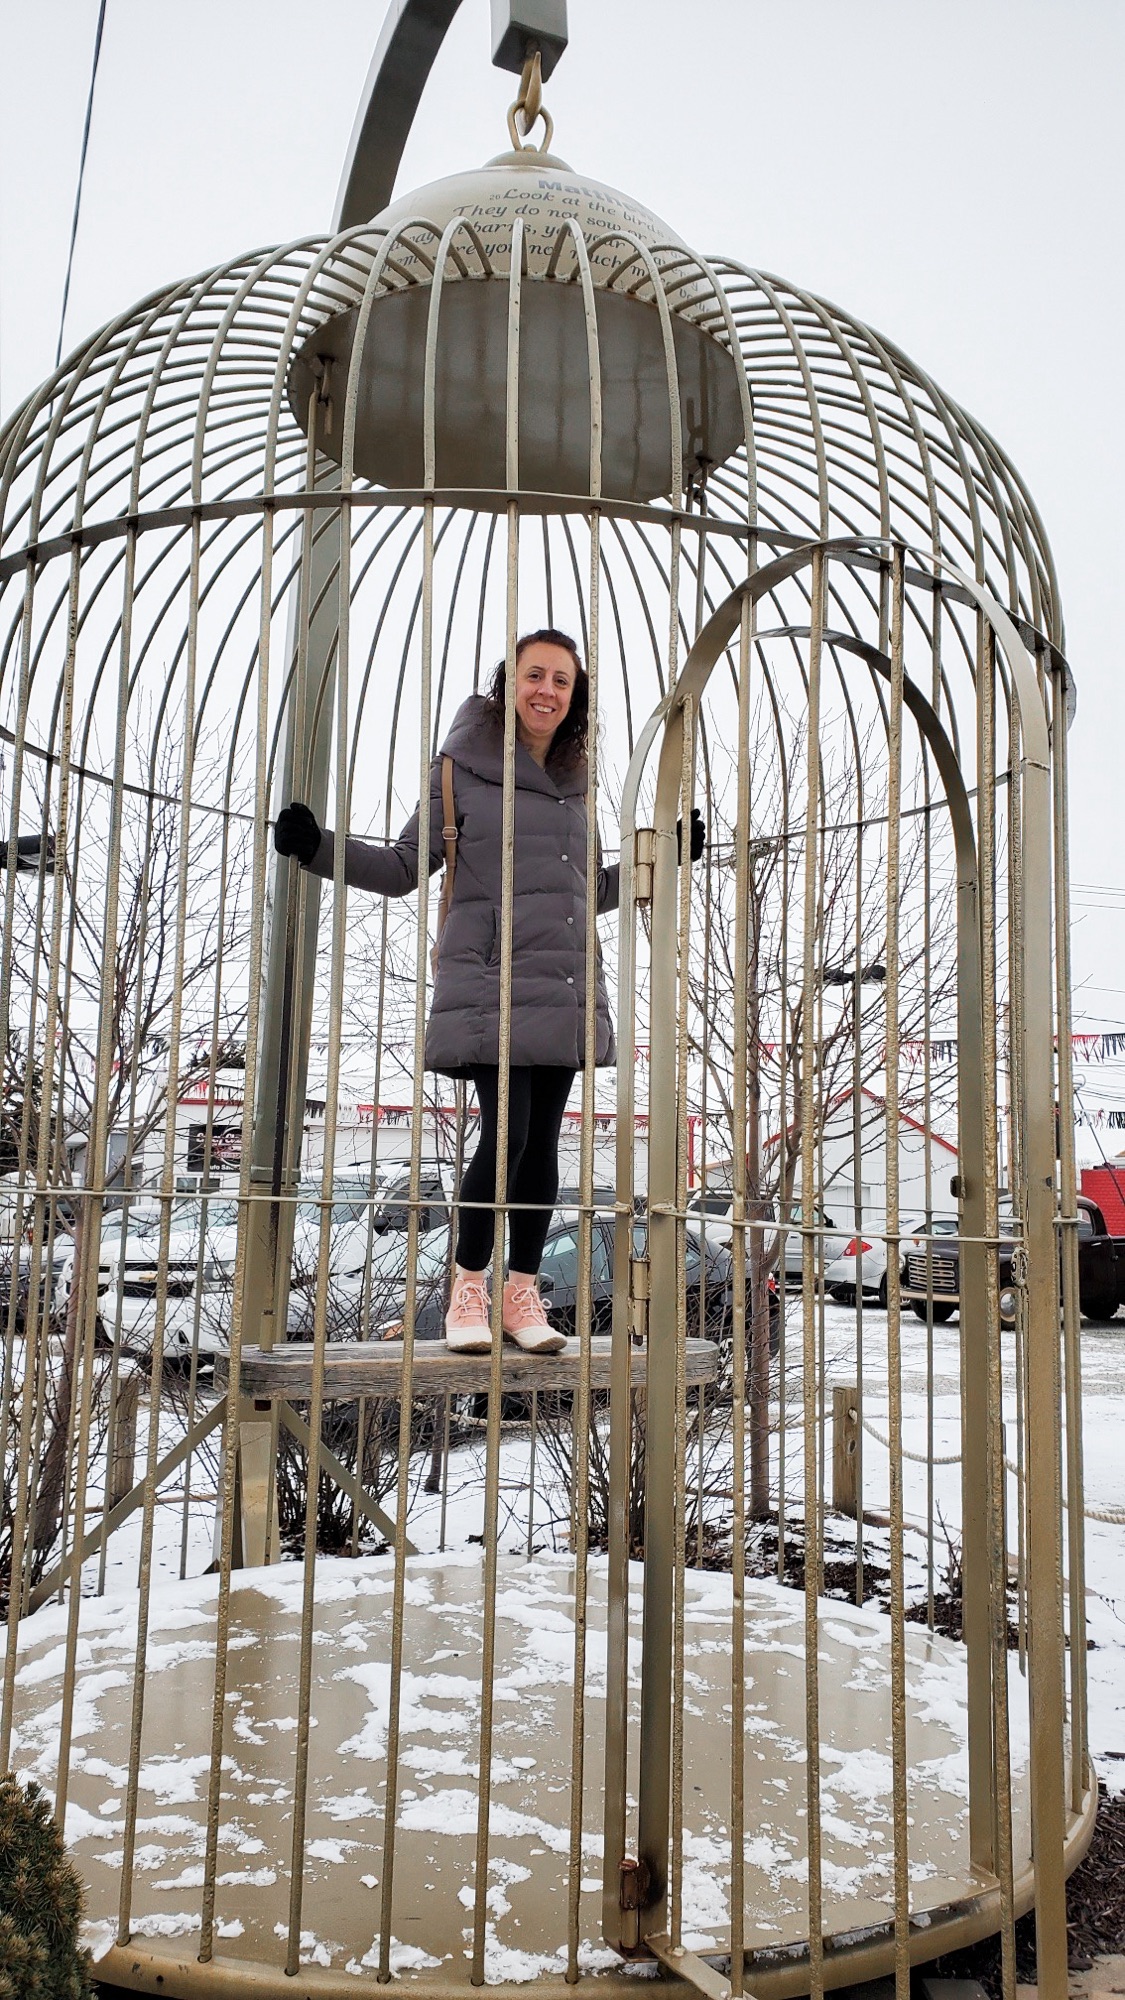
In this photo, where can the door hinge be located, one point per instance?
(634, 1879)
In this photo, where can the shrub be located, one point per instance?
(41, 1901)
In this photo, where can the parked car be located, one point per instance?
(714, 1209)
(197, 1280)
(129, 1274)
(435, 1194)
(1101, 1263)
(709, 1283)
(16, 1270)
(864, 1260)
(367, 1285)
(931, 1271)
(1101, 1269)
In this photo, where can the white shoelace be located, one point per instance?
(470, 1304)
(526, 1298)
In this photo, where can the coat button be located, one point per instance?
(569, 981)
(570, 920)
(564, 857)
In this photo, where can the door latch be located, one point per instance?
(644, 858)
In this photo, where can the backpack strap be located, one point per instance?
(449, 842)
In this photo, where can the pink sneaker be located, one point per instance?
(526, 1322)
(467, 1330)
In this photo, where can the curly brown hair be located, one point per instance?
(570, 742)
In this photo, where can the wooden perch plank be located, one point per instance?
(374, 1368)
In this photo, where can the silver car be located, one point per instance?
(713, 1208)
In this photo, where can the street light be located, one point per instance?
(842, 975)
(28, 849)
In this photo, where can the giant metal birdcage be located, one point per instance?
(349, 1659)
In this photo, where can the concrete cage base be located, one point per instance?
(952, 1904)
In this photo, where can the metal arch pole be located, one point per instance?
(411, 36)
(280, 1084)
(294, 917)
(1047, 1647)
(1048, 1706)
(405, 53)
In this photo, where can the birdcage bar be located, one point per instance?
(232, 564)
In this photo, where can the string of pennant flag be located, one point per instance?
(1101, 1047)
(1085, 1047)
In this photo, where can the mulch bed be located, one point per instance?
(1095, 1902)
(839, 1575)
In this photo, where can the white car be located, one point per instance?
(369, 1303)
(129, 1275)
(864, 1260)
(197, 1281)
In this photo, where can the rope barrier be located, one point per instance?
(1114, 1515)
(916, 1457)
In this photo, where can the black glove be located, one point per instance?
(697, 836)
(297, 832)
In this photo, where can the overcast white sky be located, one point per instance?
(950, 170)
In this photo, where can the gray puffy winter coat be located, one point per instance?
(548, 913)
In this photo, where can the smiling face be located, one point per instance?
(545, 677)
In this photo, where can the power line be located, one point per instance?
(81, 175)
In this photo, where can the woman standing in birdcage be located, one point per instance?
(548, 964)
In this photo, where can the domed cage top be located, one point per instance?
(662, 1647)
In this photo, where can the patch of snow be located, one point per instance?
(329, 1850)
(863, 1774)
(82, 1825)
(188, 1878)
(97, 1937)
(164, 1923)
(311, 1950)
(173, 1780)
(353, 1805)
(403, 1958)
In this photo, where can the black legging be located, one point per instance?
(536, 1102)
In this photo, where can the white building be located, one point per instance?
(927, 1163)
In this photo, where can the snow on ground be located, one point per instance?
(1103, 1405)
(531, 1800)
(545, 1523)
(437, 1804)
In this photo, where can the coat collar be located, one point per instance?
(475, 742)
